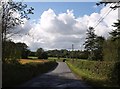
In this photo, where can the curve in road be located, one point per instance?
(61, 76)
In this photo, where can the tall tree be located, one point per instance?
(15, 51)
(23, 48)
(115, 36)
(12, 51)
(10, 21)
(99, 47)
(39, 53)
(90, 42)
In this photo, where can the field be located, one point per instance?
(60, 59)
(24, 61)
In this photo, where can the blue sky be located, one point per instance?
(79, 8)
(58, 0)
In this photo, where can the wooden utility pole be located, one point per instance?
(72, 47)
(72, 52)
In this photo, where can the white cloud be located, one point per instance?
(64, 29)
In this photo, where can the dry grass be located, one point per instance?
(24, 61)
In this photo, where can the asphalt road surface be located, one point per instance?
(60, 77)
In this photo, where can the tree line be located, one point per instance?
(63, 53)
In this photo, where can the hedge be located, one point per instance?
(108, 71)
(15, 74)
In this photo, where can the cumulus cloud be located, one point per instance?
(60, 31)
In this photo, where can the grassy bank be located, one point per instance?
(15, 74)
(95, 73)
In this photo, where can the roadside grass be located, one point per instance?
(15, 74)
(92, 79)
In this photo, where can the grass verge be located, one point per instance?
(91, 78)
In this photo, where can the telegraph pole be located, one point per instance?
(72, 47)
(72, 51)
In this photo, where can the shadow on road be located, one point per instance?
(56, 81)
(60, 77)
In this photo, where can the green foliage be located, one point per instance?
(14, 51)
(110, 51)
(115, 37)
(23, 49)
(82, 55)
(100, 68)
(45, 55)
(15, 73)
(94, 45)
(99, 48)
(11, 51)
(33, 54)
(41, 54)
(100, 72)
(90, 40)
(115, 74)
(63, 53)
(112, 45)
(58, 53)
(115, 34)
(9, 21)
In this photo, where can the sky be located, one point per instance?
(58, 0)
(58, 25)
(80, 8)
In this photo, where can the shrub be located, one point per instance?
(106, 70)
(43, 55)
(15, 74)
(115, 73)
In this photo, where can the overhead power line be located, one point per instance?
(102, 19)
(107, 13)
(104, 15)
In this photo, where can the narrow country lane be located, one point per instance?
(61, 77)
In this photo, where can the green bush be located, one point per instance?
(115, 73)
(98, 67)
(99, 70)
(110, 51)
(15, 73)
(43, 55)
